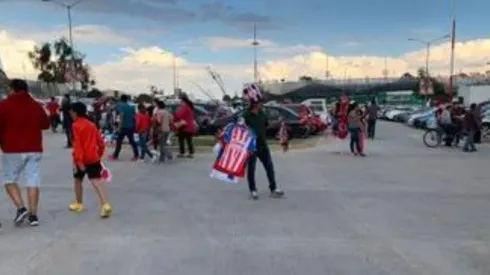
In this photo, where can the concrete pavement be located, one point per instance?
(403, 210)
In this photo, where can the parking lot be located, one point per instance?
(404, 210)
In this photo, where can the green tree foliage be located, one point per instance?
(50, 59)
(226, 98)
(306, 78)
(438, 87)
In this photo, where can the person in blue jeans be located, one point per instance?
(127, 127)
(143, 128)
(356, 126)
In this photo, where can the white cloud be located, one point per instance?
(82, 34)
(138, 68)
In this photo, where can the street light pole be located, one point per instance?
(255, 44)
(453, 42)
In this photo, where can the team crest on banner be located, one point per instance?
(236, 144)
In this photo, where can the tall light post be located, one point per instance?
(453, 44)
(428, 44)
(68, 8)
(175, 73)
(255, 44)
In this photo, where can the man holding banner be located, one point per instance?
(256, 119)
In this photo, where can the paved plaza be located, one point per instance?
(403, 210)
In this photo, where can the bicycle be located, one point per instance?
(433, 137)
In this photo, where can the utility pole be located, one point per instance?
(453, 42)
(255, 44)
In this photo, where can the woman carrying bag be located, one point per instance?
(186, 126)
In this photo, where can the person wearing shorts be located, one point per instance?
(88, 150)
(21, 140)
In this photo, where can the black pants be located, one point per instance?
(68, 131)
(129, 133)
(371, 128)
(185, 137)
(55, 121)
(477, 138)
(355, 140)
(264, 155)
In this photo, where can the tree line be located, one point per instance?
(52, 61)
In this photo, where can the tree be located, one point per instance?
(52, 60)
(438, 88)
(305, 78)
(95, 93)
(407, 75)
(226, 98)
(144, 98)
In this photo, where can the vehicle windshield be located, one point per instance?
(317, 108)
(296, 108)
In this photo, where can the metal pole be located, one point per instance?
(255, 43)
(427, 58)
(174, 66)
(70, 34)
(453, 42)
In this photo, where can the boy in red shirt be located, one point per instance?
(143, 127)
(88, 150)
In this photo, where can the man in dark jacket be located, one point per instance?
(256, 119)
(471, 125)
(67, 121)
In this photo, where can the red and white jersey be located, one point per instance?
(239, 144)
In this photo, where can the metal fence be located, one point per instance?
(46, 90)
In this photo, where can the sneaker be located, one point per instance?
(105, 211)
(362, 155)
(190, 156)
(154, 159)
(180, 156)
(254, 195)
(277, 193)
(76, 207)
(21, 215)
(135, 159)
(33, 220)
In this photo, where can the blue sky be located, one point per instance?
(330, 24)
(341, 27)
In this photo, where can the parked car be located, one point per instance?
(390, 114)
(418, 114)
(274, 113)
(485, 129)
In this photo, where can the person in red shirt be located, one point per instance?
(143, 127)
(22, 121)
(186, 125)
(54, 113)
(88, 150)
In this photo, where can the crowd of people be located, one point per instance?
(455, 121)
(359, 122)
(21, 140)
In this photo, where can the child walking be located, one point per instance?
(143, 127)
(88, 149)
